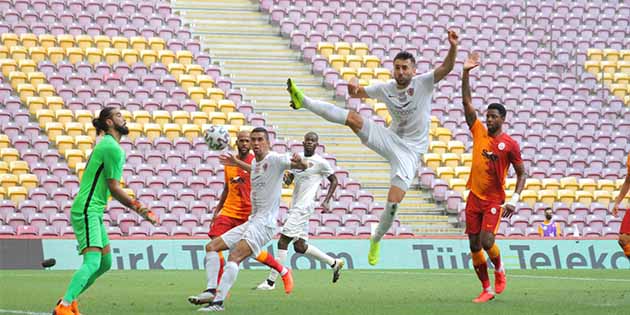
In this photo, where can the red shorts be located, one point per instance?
(482, 215)
(223, 224)
(625, 224)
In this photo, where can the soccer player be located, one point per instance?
(408, 100)
(296, 226)
(247, 239)
(100, 179)
(624, 231)
(549, 227)
(493, 152)
(233, 209)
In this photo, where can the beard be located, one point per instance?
(123, 130)
(548, 217)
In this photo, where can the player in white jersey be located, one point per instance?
(408, 99)
(247, 239)
(304, 193)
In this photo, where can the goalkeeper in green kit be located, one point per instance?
(101, 179)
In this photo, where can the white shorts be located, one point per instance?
(403, 161)
(256, 236)
(296, 225)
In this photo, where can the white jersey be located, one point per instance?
(410, 109)
(266, 178)
(307, 181)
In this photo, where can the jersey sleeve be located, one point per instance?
(425, 82)
(376, 91)
(477, 128)
(283, 161)
(113, 161)
(515, 154)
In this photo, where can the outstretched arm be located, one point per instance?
(622, 194)
(119, 194)
(449, 62)
(230, 159)
(469, 110)
(355, 89)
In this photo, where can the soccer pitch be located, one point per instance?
(357, 292)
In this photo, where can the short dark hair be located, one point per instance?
(500, 108)
(100, 123)
(263, 130)
(405, 55)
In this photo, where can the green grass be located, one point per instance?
(357, 292)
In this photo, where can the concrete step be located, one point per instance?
(192, 5)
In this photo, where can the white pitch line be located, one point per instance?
(508, 275)
(22, 312)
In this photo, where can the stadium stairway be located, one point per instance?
(254, 55)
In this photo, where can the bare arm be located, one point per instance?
(297, 162)
(449, 62)
(355, 90)
(331, 191)
(622, 194)
(230, 160)
(521, 176)
(119, 194)
(221, 201)
(469, 109)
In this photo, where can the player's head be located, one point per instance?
(242, 142)
(404, 68)
(495, 116)
(548, 213)
(259, 140)
(110, 119)
(310, 143)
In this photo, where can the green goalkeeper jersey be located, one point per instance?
(106, 162)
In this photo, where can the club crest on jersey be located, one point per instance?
(502, 146)
(493, 210)
(264, 167)
(410, 91)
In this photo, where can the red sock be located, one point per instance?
(495, 256)
(481, 268)
(221, 265)
(626, 250)
(268, 260)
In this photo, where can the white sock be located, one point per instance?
(316, 253)
(65, 303)
(282, 256)
(212, 269)
(387, 218)
(230, 271)
(325, 110)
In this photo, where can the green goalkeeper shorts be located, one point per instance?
(89, 230)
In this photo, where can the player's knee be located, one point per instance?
(208, 247)
(354, 121)
(487, 243)
(475, 247)
(106, 263)
(300, 247)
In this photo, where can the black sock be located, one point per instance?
(213, 291)
(334, 264)
(270, 282)
(220, 303)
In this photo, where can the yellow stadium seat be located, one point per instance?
(180, 117)
(466, 159)
(186, 81)
(623, 66)
(130, 56)
(120, 42)
(10, 39)
(55, 54)
(196, 93)
(215, 94)
(325, 49)
(176, 69)
(161, 117)
(37, 54)
(3, 193)
(18, 52)
(547, 196)
(84, 41)
(44, 116)
(184, 57)
(8, 65)
(83, 116)
(191, 131)
(611, 54)
(236, 118)
(592, 66)
(4, 52)
(73, 157)
(18, 167)
(17, 194)
(138, 43)
(347, 73)
(217, 118)
(432, 160)
(36, 78)
(64, 143)
(437, 147)
(365, 73)
(65, 40)
(606, 184)
(4, 143)
(382, 74)
(550, 184)
(172, 131)
(148, 57)
(135, 130)
(102, 42)
(27, 66)
(529, 197)
(450, 159)
(74, 128)
(533, 184)
(157, 43)
(510, 183)
(199, 118)
(47, 40)
(141, 116)
(79, 168)
(25, 90)
(621, 78)
(462, 172)
(208, 105)
(53, 129)
(569, 183)
(112, 55)
(152, 131)
(602, 196)
(619, 90)
(83, 142)
(342, 48)
(457, 184)
(336, 61)
(64, 115)
(587, 184)
(17, 77)
(53, 102)
(594, 54)
(90, 130)
(9, 154)
(443, 134)
(47, 90)
(94, 55)
(194, 69)
(360, 49)
(205, 81)
(28, 40)
(233, 130)
(354, 61)
(28, 181)
(566, 196)
(8, 180)
(166, 57)
(584, 197)
(456, 146)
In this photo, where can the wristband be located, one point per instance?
(136, 204)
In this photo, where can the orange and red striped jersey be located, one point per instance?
(238, 202)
